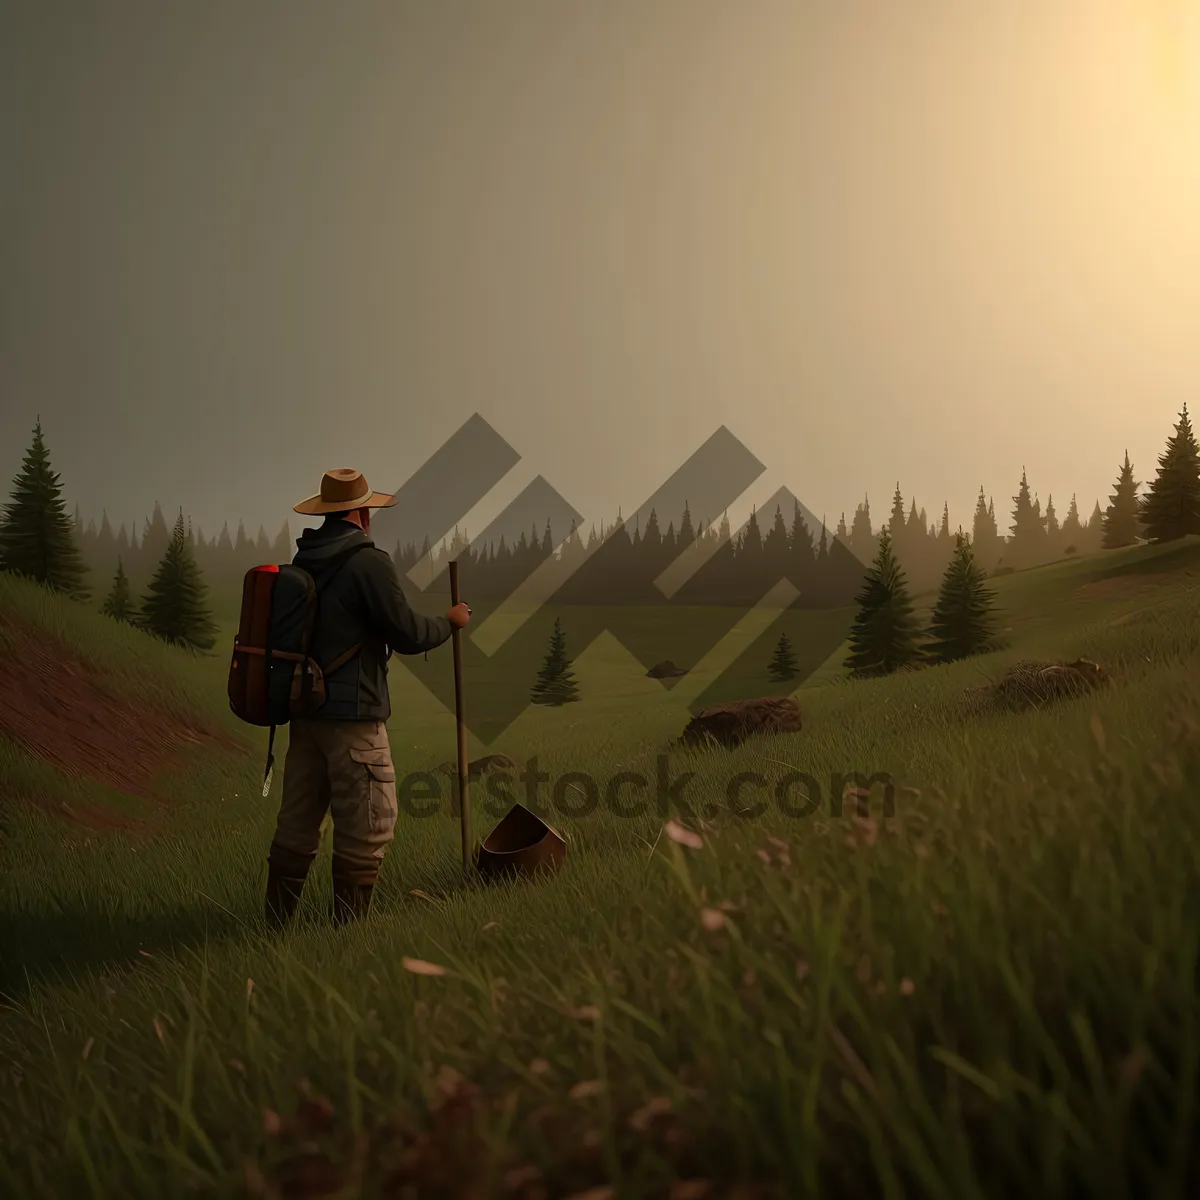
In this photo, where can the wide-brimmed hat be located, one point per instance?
(343, 491)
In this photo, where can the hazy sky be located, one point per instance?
(245, 241)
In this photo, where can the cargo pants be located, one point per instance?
(343, 768)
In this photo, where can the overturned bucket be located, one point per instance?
(522, 844)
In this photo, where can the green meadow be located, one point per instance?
(987, 989)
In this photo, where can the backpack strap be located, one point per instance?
(342, 659)
(270, 763)
(326, 578)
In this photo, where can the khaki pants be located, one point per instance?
(343, 768)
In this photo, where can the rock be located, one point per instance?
(729, 724)
(1032, 684)
(665, 670)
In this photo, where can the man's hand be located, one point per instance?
(459, 615)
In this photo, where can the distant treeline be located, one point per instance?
(615, 564)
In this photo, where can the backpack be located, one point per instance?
(272, 675)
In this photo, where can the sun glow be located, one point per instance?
(1174, 28)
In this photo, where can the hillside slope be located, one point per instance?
(98, 722)
(989, 991)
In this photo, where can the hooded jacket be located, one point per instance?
(362, 602)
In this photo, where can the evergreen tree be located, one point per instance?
(1171, 508)
(1026, 529)
(896, 525)
(751, 545)
(556, 681)
(1121, 517)
(687, 534)
(242, 548)
(1094, 530)
(176, 605)
(37, 534)
(861, 533)
(1053, 529)
(1071, 533)
(884, 635)
(783, 665)
(155, 537)
(800, 543)
(651, 537)
(775, 545)
(944, 529)
(283, 548)
(916, 524)
(963, 621)
(119, 603)
(573, 551)
(106, 542)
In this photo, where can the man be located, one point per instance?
(340, 760)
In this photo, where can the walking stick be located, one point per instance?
(463, 804)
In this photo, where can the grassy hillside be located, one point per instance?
(992, 990)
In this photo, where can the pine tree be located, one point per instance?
(1071, 533)
(1121, 517)
(861, 534)
(963, 621)
(1094, 530)
(155, 537)
(822, 551)
(37, 534)
(1053, 533)
(981, 532)
(783, 665)
(944, 528)
(1026, 529)
(800, 543)
(775, 544)
(119, 603)
(896, 525)
(687, 535)
(751, 542)
(176, 605)
(556, 681)
(1171, 508)
(884, 635)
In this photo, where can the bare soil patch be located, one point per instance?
(67, 714)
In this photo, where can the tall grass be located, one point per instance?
(992, 991)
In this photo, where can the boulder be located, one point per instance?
(1032, 684)
(730, 724)
(665, 670)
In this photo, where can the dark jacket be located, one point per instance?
(362, 602)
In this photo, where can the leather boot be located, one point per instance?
(286, 873)
(353, 885)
